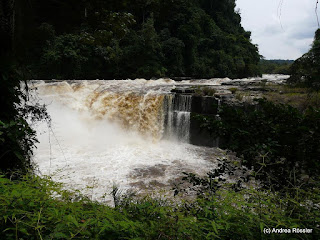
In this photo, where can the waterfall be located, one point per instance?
(106, 132)
(183, 126)
(117, 132)
(151, 113)
(177, 121)
(216, 141)
(218, 109)
(169, 112)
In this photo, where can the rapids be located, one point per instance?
(129, 133)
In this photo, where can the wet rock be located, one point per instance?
(153, 171)
(183, 90)
(181, 78)
(226, 97)
(204, 105)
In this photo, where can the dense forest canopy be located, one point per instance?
(133, 38)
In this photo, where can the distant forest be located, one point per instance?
(133, 38)
(275, 66)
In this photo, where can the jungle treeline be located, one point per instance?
(133, 38)
(275, 66)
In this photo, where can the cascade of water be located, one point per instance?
(177, 110)
(169, 116)
(183, 126)
(216, 141)
(183, 103)
(112, 132)
(218, 109)
(151, 114)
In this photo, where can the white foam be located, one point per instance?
(100, 135)
(83, 150)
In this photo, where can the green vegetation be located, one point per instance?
(242, 95)
(275, 66)
(233, 90)
(37, 208)
(121, 39)
(297, 97)
(204, 91)
(278, 141)
(130, 39)
(305, 71)
(17, 138)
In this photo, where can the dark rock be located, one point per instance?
(183, 90)
(201, 137)
(204, 105)
(181, 78)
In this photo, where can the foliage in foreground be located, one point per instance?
(37, 208)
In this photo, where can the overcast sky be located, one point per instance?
(282, 31)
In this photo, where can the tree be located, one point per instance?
(16, 136)
(305, 70)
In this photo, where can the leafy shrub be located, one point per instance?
(204, 91)
(37, 208)
(233, 90)
(17, 138)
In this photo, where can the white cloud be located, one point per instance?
(281, 30)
